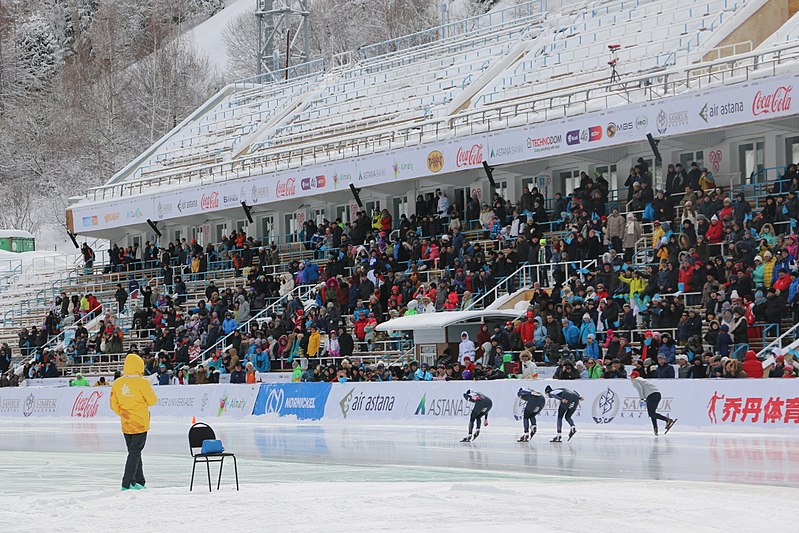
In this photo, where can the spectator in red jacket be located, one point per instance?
(686, 276)
(715, 232)
(752, 366)
(527, 329)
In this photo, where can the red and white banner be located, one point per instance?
(207, 401)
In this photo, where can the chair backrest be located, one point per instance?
(198, 433)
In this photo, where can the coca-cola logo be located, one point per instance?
(470, 157)
(86, 406)
(776, 102)
(286, 188)
(209, 201)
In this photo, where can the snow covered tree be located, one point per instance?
(39, 51)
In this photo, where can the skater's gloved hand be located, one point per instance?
(517, 417)
(485, 423)
(564, 401)
(641, 403)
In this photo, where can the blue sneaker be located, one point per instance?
(138, 487)
(125, 488)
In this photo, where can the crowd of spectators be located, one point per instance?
(685, 276)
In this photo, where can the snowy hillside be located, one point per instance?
(207, 36)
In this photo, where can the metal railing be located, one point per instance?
(525, 276)
(300, 291)
(528, 110)
(791, 334)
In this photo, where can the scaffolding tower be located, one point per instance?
(283, 39)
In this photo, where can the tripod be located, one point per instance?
(614, 74)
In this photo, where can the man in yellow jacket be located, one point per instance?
(131, 398)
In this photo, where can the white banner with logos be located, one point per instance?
(747, 405)
(205, 401)
(688, 113)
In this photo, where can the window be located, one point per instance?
(400, 207)
(241, 225)
(610, 174)
(177, 235)
(318, 215)
(692, 157)
(791, 150)
(267, 227)
(221, 231)
(570, 179)
(501, 189)
(343, 213)
(371, 206)
(292, 231)
(750, 161)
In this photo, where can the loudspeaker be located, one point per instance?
(356, 194)
(73, 239)
(247, 210)
(489, 174)
(155, 228)
(653, 144)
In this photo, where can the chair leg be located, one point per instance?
(208, 467)
(221, 465)
(236, 469)
(193, 466)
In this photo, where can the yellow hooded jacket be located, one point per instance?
(132, 395)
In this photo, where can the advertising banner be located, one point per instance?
(369, 401)
(306, 401)
(688, 113)
(234, 401)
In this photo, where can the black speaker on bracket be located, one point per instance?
(356, 193)
(489, 174)
(653, 144)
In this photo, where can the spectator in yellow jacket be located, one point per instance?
(131, 398)
(314, 341)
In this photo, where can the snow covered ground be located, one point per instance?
(208, 36)
(64, 476)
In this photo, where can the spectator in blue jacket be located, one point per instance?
(229, 325)
(593, 350)
(667, 349)
(571, 333)
(724, 341)
(163, 375)
(260, 359)
(540, 333)
(423, 374)
(663, 369)
(587, 328)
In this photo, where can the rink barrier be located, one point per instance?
(748, 405)
(202, 401)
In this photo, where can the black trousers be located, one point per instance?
(566, 410)
(480, 410)
(652, 402)
(133, 467)
(529, 416)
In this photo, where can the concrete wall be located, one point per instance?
(759, 26)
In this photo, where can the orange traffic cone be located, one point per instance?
(193, 420)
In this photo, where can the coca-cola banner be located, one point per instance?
(694, 112)
(208, 401)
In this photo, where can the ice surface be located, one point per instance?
(61, 476)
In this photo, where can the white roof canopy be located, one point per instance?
(443, 319)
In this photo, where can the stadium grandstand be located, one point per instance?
(584, 187)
